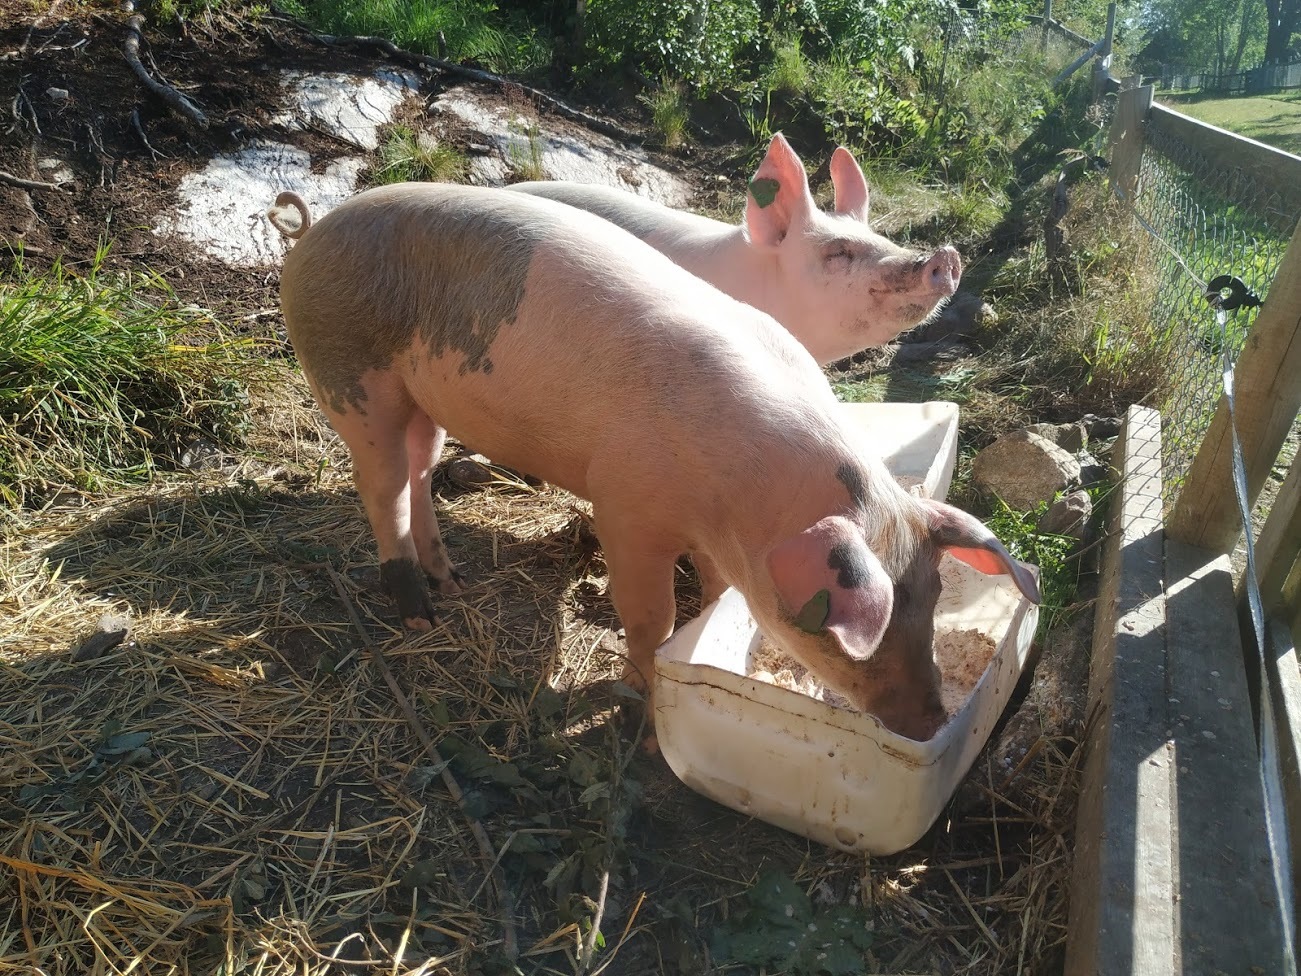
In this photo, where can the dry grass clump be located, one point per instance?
(236, 785)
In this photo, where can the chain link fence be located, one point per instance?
(1201, 223)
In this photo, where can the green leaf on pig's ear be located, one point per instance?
(813, 615)
(764, 190)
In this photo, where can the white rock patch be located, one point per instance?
(223, 207)
(596, 159)
(349, 107)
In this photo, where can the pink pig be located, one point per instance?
(836, 284)
(554, 342)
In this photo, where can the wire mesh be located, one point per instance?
(1202, 222)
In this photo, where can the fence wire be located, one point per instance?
(1202, 222)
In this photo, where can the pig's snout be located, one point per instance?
(942, 271)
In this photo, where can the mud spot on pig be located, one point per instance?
(850, 565)
(851, 476)
(404, 581)
(444, 273)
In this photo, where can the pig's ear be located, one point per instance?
(850, 184)
(968, 539)
(778, 197)
(827, 579)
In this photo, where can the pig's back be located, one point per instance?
(647, 220)
(539, 334)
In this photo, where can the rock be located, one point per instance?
(471, 472)
(1069, 515)
(110, 631)
(538, 141)
(1092, 471)
(202, 454)
(475, 471)
(1100, 428)
(943, 351)
(1024, 469)
(1069, 437)
(964, 314)
(57, 94)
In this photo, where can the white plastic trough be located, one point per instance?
(832, 775)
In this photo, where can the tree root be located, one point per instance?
(24, 184)
(173, 99)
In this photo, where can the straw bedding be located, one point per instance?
(236, 787)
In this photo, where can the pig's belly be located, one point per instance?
(515, 430)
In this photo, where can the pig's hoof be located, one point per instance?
(404, 581)
(454, 585)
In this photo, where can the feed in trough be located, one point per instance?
(961, 655)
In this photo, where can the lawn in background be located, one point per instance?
(1274, 119)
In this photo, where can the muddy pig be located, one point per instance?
(836, 284)
(557, 343)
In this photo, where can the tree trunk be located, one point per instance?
(1244, 29)
(1283, 16)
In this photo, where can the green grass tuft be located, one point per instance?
(668, 105)
(408, 156)
(789, 73)
(1058, 574)
(473, 29)
(525, 155)
(104, 376)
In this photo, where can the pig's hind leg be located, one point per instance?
(425, 441)
(377, 440)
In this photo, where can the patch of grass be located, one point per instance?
(406, 156)
(472, 29)
(525, 155)
(668, 105)
(789, 73)
(1274, 119)
(104, 376)
(1058, 575)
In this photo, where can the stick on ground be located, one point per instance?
(504, 897)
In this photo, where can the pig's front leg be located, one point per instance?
(641, 587)
(712, 584)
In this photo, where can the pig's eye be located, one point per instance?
(838, 253)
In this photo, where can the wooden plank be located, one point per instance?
(1267, 387)
(1228, 916)
(1121, 907)
(1272, 169)
(1127, 139)
(1279, 541)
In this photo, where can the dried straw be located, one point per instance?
(274, 819)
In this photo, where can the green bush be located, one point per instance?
(473, 29)
(707, 44)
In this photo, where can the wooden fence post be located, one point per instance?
(1048, 16)
(1102, 66)
(1279, 543)
(1127, 139)
(1267, 389)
